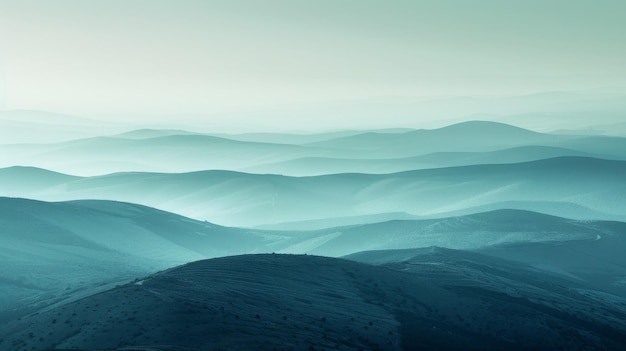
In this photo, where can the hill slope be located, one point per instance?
(269, 302)
(20, 181)
(588, 251)
(478, 230)
(50, 249)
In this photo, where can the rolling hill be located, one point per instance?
(573, 187)
(561, 285)
(474, 231)
(311, 166)
(151, 151)
(19, 181)
(50, 249)
(446, 300)
(587, 251)
(465, 136)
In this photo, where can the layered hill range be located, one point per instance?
(68, 256)
(381, 151)
(573, 187)
(324, 180)
(479, 235)
(58, 252)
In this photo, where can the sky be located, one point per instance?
(220, 60)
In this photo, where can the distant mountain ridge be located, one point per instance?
(147, 133)
(464, 136)
(165, 152)
(312, 166)
(182, 151)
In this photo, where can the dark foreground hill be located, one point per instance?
(51, 252)
(446, 300)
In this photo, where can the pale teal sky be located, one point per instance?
(150, 57)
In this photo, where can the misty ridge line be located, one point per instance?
(312, 175)
(505, 195)
(154, 133)
(492, 221)
(219, 179)
(241, 199)
(362, 152)
(553, 162)
(469, 126)
(567, 111)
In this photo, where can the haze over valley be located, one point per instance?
(312, 175)
(482, 220)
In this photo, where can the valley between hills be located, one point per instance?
(356, 240)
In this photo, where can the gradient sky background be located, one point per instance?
(146, 59)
